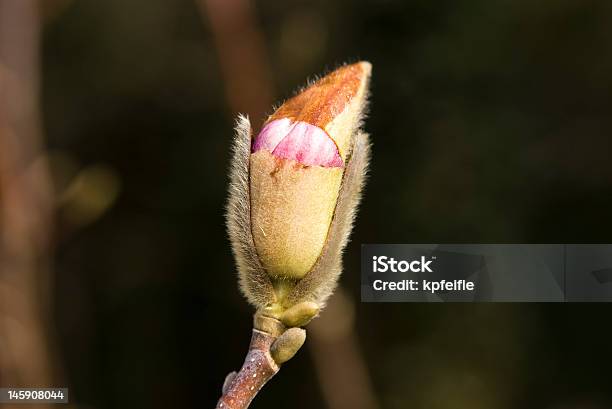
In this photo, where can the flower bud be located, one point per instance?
(296, 169)
(293, 194)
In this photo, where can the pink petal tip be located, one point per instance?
(299, 141)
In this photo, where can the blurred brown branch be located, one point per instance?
(343, 375)
(242, 56)
(25, 204)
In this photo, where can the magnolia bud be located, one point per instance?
(294, 192)
(296, 169)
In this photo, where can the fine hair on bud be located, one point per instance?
(254, 282)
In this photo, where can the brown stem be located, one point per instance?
(258, 368)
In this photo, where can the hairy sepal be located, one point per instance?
(254, 281)
(322, 279)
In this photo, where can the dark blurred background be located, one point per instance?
(490, 123)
